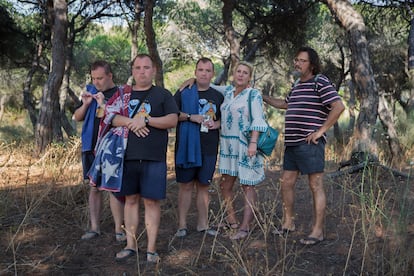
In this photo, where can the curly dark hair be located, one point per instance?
(313, 58)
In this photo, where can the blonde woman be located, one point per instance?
(238, 155)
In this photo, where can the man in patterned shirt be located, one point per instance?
(313, 106)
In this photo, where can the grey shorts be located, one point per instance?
(306, 158)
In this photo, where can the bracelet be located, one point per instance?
(253, 142)
(188, 117)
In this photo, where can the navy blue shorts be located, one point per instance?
(146, 178)
(203, 174)
(306, 158)
(87, 160)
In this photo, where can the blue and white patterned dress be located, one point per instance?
(235, 122)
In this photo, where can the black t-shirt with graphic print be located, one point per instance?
(209, 99)
(158, 102)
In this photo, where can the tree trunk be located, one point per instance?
(351, 109)
(387, 121)
(48, 128)
(151, 42)
(138, 9)
(3, 101)
(230, 33)
(362, 74)
(409, 105)
(28, 101)
(65, 87)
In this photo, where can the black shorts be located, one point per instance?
(203, 174)
(146, 178)
(306, 158)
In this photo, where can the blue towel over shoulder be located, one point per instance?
(189, 146)
(88, 123)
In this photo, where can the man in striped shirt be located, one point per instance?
(313, 106)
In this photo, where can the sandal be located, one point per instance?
(209, 231)
(181, 233)
(241, 234)
(228, 225)
(310, 241)
(89, 235)
(120, 237)
(283, 233)
(127, 253)
(153, 257)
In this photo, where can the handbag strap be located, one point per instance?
(249, 101)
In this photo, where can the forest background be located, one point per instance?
(367, 50)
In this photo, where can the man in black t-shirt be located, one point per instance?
(145, 113)
(93, 101)
(197, 143)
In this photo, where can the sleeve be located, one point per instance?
(170, 105)
(219, 88)
(258, 121)
(327, 91)
(177, 98)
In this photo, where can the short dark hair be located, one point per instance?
(313, 58)
(205, 60)
(101, 64)
(143, 56)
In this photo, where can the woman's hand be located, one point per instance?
(190, 82)
(252, 149)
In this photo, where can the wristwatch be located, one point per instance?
(188, 117)
(146, 120)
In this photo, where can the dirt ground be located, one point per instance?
(43, 222)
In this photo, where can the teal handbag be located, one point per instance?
(267, 139)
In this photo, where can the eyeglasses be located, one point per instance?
(300, 60)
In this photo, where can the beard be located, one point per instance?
(296, 73)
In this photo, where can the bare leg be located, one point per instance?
(131, 212)
(250, 198)
(152, 222)
(185, 192)
(117, 210)
(95, 207)
(226, 186)
(319, 204)
(287, 185)
(202, 206)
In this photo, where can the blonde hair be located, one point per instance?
(245, 63)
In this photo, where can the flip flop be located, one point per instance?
(90, 235)
(240, 235)
(120, 237)
(129, 253)
(153, 257)
(310, 241)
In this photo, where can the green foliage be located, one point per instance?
(191, 33)
(113, 46)
(17, 43)
(15, 126)
(174, 79)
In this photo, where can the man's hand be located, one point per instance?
(100, 98)
(87, 98)
(138, 126)
(313, 137)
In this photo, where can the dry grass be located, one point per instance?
(43, 210)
